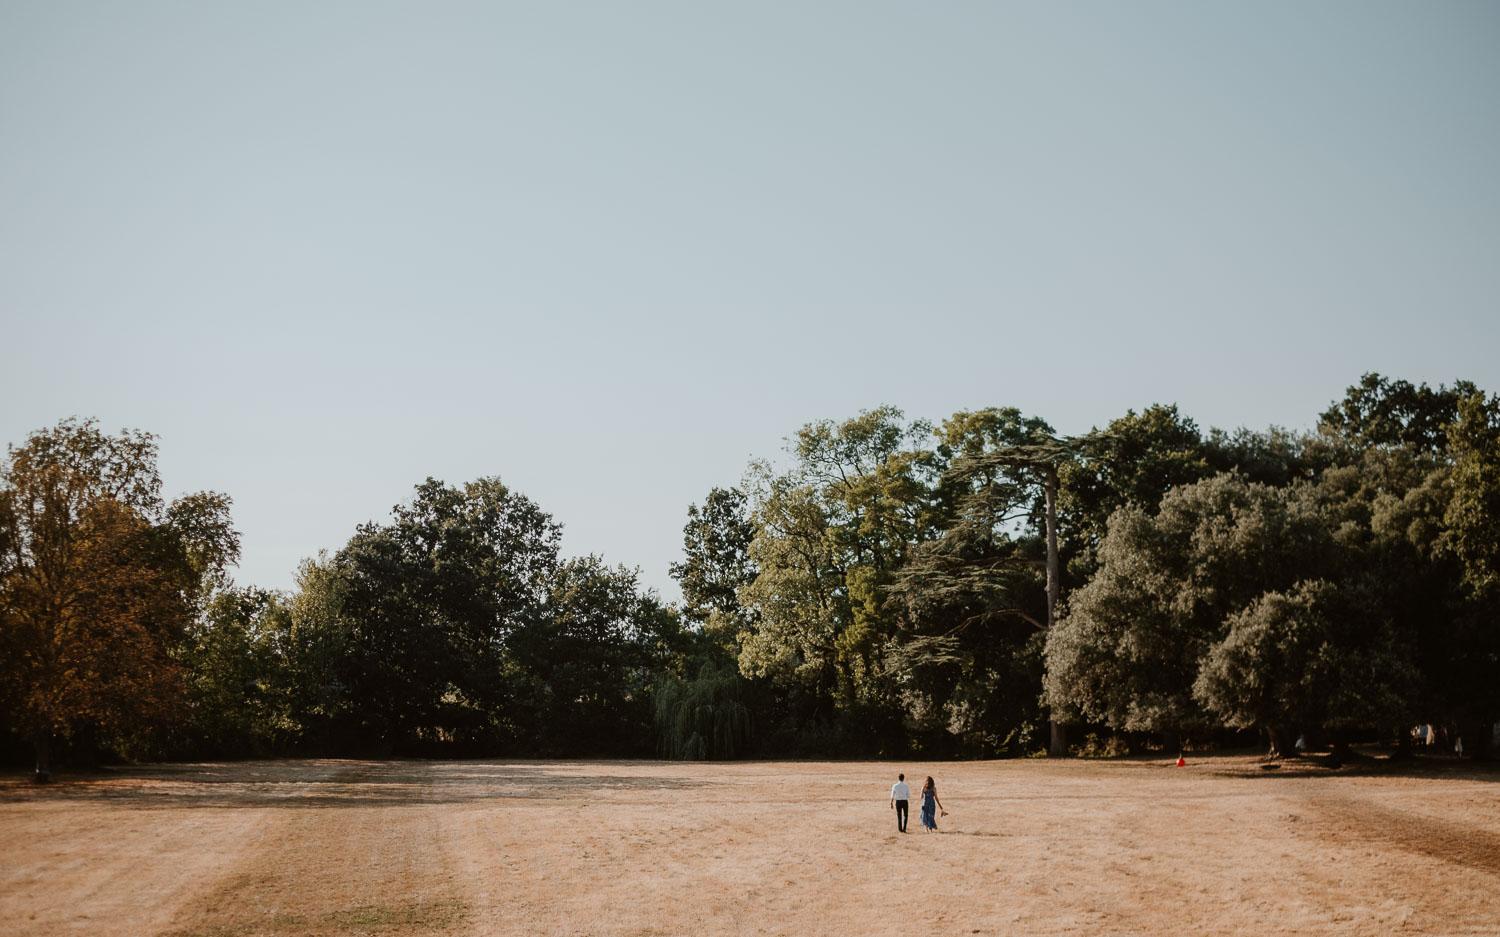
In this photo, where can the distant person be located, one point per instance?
(900, 797)
(930, 805)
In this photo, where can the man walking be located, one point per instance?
(900, 794)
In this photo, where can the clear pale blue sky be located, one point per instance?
(611, 251)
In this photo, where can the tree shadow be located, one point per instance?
(1360, 762)
(325, 783)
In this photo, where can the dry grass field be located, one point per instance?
(794, 848)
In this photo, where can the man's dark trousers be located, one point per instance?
(901, 815)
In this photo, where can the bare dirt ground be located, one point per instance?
(790, 848)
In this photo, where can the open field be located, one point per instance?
(793, 848)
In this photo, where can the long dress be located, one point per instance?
(929, 808)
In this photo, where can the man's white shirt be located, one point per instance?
(899, 791)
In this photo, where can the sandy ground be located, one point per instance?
(792, 848)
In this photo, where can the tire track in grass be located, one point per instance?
(370, 861)
(1366, 822)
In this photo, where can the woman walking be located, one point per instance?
(930, 806)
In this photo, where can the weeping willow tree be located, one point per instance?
(703, 718)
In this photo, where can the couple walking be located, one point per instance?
(901, 795)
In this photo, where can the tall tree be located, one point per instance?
(1473, 516)
(1135, 460)
(971, 602)
(235, 677)
(1472, 522)
(1035, 465)
(716, 558)
(1128, 652)
(704, 705)
(583, 670)
(1315, 655)
(429, 601)
(829, 535)
(312, 640)
(99, 578)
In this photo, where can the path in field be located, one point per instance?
(638, 848)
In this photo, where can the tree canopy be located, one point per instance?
(99, 580)
(889, 587)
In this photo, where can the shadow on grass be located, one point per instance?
(1360, 762)
(322, 784)
(365, 920)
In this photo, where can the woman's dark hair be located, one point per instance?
(929, 783)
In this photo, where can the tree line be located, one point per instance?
(980, 587)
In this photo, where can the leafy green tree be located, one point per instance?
(234, 677)
(716, 559)
(704, 706)
(1035, 465)
(971, 603)
(798, 599)
(584, 668)
(1472, 532)
(1473, 515)
(1429, 528)
(430, 600)
(99, 579)
(1314, 655)
(966, 657)
(830, 534)
(1135, 460)
(1381, 412)
(1127, 653)
(706, 717)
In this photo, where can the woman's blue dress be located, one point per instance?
(929, 808)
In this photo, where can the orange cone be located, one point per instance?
(1181, 763)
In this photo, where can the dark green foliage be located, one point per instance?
(1381, 412)
(705, 717)
(1128, 651)
(235, 678)
(583, 668)
(896, 591)
(716, 557)
(1135, 460)
(830, 534)
(430, 601)
(1473, 515)
(971, 607)
(1315, 655)
(1275, 457)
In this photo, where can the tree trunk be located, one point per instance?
(1171, 741)
(1054, 573)
(1404, 751)
(1280, 741)
(1484, 742)
(42, 739)
(85, 749)
(1058, 745)
(1476, 734)
(1340, 751)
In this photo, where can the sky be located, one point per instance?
(611, 252)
